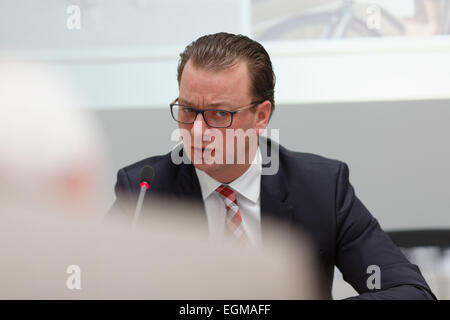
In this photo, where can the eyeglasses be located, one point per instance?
(216, 118)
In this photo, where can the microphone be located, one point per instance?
(146, 178)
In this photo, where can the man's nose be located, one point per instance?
(199, 125)
(200, 118)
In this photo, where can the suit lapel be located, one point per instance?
(188, 189)
(275, 205)
(188, 186)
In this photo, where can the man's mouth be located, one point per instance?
(202, 149)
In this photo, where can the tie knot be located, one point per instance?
(227, 192)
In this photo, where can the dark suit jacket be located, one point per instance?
(313, 193)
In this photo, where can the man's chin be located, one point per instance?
(204, 162)
(208, 168)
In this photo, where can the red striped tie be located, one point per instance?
(234, 227)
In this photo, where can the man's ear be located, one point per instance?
(262, 116)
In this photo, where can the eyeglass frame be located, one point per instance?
(202, 112)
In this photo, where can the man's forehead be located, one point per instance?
(238, 67)
(199, 86)
(217, 66)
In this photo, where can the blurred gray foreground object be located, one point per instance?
(167, 257)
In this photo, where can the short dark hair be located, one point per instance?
(222, 50)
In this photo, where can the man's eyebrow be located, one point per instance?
(220, 104)
(183, 101)
(214, 104)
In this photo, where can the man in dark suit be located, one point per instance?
(226, 95)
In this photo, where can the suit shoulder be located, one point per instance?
(150, 161)
(309, 161)
(309, 158)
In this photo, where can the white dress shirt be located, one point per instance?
(247, 188)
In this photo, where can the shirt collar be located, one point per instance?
(247, 185)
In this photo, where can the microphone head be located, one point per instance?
(147, 174)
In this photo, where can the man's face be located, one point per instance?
(227, 89)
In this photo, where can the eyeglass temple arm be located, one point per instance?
(251, 105)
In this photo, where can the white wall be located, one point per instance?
(126, 52)
(307, 72)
